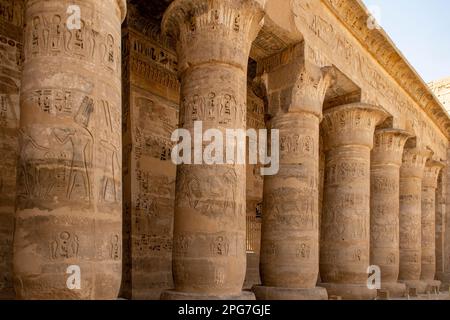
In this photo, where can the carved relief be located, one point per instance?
(294, 143)
(48, 35)
(220, 246)
(220, 108)
(115, 248)
(69, 147)
(65, 246)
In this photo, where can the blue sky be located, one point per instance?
(421, 30)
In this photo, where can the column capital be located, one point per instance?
(413, 162)
(431, 173)
(213, 31)
(352, 124)
(389, 145)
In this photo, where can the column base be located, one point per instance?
(177, 295)
(444, 277)
(432, 284)
(396, 290)
(350, 291)
(276, 293)
(420, 286)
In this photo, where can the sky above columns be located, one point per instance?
(421, 30)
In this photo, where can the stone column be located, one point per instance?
(442, 223)
(213, 45)
(411, 174)
(429, 187)
(345, 231)
(69, 201)
(290, 228)
(386, 159)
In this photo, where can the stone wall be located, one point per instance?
(150, 116)
(11, 21)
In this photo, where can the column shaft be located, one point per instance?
(384, 205)
(429, 187)
(290, 229)
(411, 173)
(69, 203)
(213, 44)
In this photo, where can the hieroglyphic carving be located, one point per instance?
(48, 35)
(152, 88)
(71, 147)
(194, 192)
(327, 43)
(151, 71)
(64, 246)
(214, 107)
(69, 171)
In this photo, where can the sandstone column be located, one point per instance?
(411, 174)
(69, 202)
(386, 160)
(345, 231)
(429, 187)
(442, 223)
(290, 228)
(213, 44)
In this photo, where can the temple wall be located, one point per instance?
(11, 42)
(152, 95)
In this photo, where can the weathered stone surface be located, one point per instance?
(254, 197)
(429, 186)
(311, 56)
(213, 44)
(69, 205)
(411, 174)
(386, 159)
(150, 116)
(11, 50)
(345, 237)
(290, 229)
